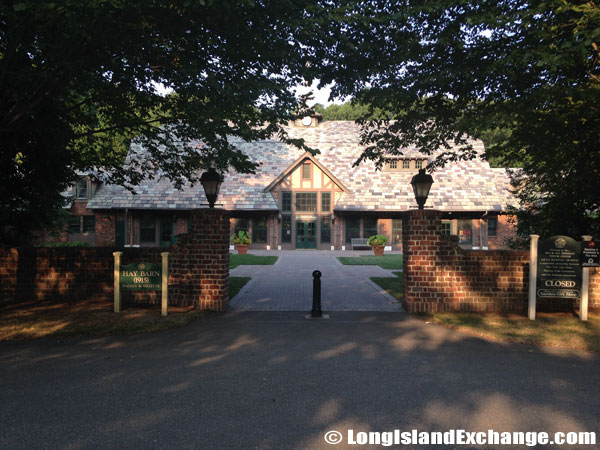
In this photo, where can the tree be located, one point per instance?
(350, 111)
(78, 81)
(456, 69)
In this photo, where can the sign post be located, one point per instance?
(142, 277)
(532, 275)
(117, 276)
(165, 284)
(585, 277)
(559, 268)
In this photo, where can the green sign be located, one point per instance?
(141, 277)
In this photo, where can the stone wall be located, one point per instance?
(438, 275)
(198, 265)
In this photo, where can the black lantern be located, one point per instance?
(421, 184)
(211, 182)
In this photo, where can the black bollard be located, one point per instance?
(316, 306)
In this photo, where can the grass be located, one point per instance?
(90, 317)
(235, 284)
(549, 329)
(392, 262)
(252, 260)
(393, 285)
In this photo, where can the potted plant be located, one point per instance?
(378, 243)
(241, 240)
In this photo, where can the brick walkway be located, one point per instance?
(287, 285)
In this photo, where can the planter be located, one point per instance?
(242, 249)
(378, 250)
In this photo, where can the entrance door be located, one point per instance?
(306, 234)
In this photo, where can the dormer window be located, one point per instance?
(81, 189)
(404, 164)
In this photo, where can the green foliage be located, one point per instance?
(525, 76)
(241, 238)
(77, 84)
(65, 244)
(352, 111)
(377, 240)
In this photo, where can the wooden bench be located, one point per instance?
(359, 242)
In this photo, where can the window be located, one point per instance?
(166, 232)
(393, 164)
(240, 225)
(147, 229)
(406, 164)
(464, 232)
(492, 227)
(369, 227)
(325, 201)
(306, 202)
(81, 189)
(325, 229)
(396, 231)
(259, 229)
(419, 164)
(82, 224)
(446, 227)
(352, 229)
(286, 201)
(75, 224)
(306, 171)
(89, 224)
(286, 228)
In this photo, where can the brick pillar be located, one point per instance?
(200, 262)
(421, 239)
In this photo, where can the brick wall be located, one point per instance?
(440, 276)
(199, 269)
(59, 274)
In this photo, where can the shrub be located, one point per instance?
(377, 241)
(64, 244)
(241, 238)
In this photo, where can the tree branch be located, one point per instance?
(117, 127)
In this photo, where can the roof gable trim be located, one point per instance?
(296, 164)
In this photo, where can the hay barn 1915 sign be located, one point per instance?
(559, 268)
(141, 277)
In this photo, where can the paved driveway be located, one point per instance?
(274, 381)
(287, 285)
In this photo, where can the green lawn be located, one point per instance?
(235, 284)
(392, 285)
(251, 260)
(392, 262)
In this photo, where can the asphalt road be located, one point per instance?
(279, 381)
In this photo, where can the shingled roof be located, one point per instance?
(462, 186)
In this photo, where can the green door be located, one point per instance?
(306, 234)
